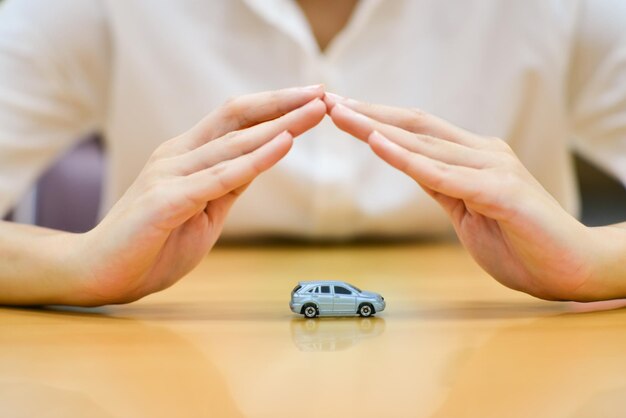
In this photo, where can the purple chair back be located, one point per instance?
(69, 193)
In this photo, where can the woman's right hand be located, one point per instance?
(173, 213)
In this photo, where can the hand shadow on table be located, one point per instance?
(84, 363)
(496, 310)
(334, 334)
(272, 310)
(568, 365)
(239, 310)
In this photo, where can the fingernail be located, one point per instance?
(311, 87)
(376, 134)
(284, 134)
(353, 112)
(317, 99)
(331, 99)
(341, 107)
(335, 97)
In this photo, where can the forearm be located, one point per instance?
(39, 266)
(621, 225)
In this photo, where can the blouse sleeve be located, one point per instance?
(53, 78)
(597, 86)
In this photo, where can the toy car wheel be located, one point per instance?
(310, 311)
(366, 310)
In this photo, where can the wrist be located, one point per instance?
(68, 253)
(83, 259)
(40, 266)
(607, 256)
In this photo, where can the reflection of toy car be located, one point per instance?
(334, 298)
(334, 334)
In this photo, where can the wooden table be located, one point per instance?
(223, 343)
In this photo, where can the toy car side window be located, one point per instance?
(325, 289)
(314, 290)
(342, 291)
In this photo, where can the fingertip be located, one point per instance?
(317, 90)
(285, 142)
(273, 151)
(338, 110)
(352, 122)
(329, 105)
(284, 136)
(319, 103)
(318, 108)
(315, 108)
(305, 117)
(342, 108)
(385, 149)
(377, 142)
(315, 104)
(376, 137)
(331, 99)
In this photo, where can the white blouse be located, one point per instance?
(542, 74)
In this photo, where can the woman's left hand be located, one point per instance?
(508, 222)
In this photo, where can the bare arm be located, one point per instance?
(37, 266)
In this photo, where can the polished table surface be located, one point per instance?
(223, 343)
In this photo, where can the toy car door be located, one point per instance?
(344, 300)
(325, 300)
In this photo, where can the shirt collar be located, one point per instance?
(287, 16)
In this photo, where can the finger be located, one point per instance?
(221, 179)
(238, 143)
(439, 149)
(218, 209)
(449, 180)
(411, 120)
(245, 111)
(452, 206)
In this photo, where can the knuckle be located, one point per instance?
(155, 192)
(275, 96)
(509, 182)
(164, 200)
(159, 169)
(234, 150)
(218, 174)
(276, 103)
(161, 151)
(230, 144)
(223, 183)
(369, 106)
(168, 149)
(503, 155)
(230, 103)
(218, 170)
(234, 110)
(258, 168)
(441, 175)
(227, 138)
(499, 144)
(418, 120)
(427, 140)
(418, 113)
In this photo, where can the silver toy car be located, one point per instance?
(326, 297)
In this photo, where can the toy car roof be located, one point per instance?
(323, 282)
